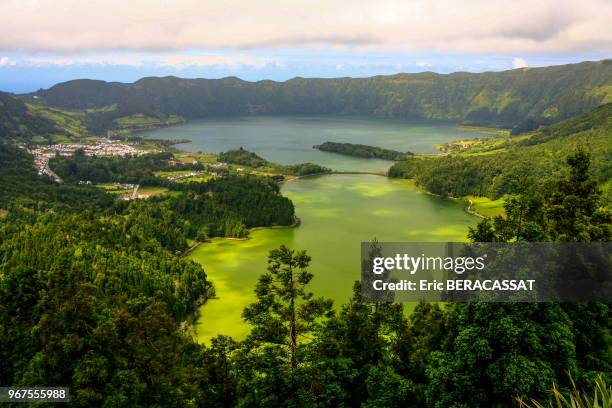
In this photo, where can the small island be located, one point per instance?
(360, 150)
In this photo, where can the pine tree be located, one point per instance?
(284, 309)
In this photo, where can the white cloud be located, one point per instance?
(519, 63)
(6, 61)
(475, 26)
(138, 60)
(423, 64)
(228, 61)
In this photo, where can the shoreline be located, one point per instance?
(331, 173)
(468, 206)
(469, 209)
(296, 223)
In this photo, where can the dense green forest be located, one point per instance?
(98, 300)
(495, 167)
(522, 98)
(360, 150)
(250, 159)
(102, 169)
(243, 157)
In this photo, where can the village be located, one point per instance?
(127, 191)
(103, 148)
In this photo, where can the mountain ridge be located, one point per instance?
(524, 98)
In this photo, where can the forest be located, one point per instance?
(102, 169)
(97, 298)
(360, 150)
(496, 167)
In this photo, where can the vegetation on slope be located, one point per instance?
(521, 99)
(243, 157)
(17, 122)
(360, 150)
(494, 167)
(70, 124)
(34, 122)
(524, 98)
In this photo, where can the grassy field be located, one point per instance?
(483, 129)
(198, 179)
(71, 122)
(145, 191)
(190, 157)
(106, 186)
(487, 207)
(483, 146)
(140, 121)
(61, 139)
(152, 191)
(112, 189)
(172, 173)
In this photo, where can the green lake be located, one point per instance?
(338, 212)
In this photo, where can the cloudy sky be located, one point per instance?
(47, 41)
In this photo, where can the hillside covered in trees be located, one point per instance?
(494, 167)
(16, 121)
(522, 98)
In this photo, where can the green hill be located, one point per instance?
(497, 166)
(522, 98)
(18, 122)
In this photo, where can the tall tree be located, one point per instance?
(276, 368)
(285, 309)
